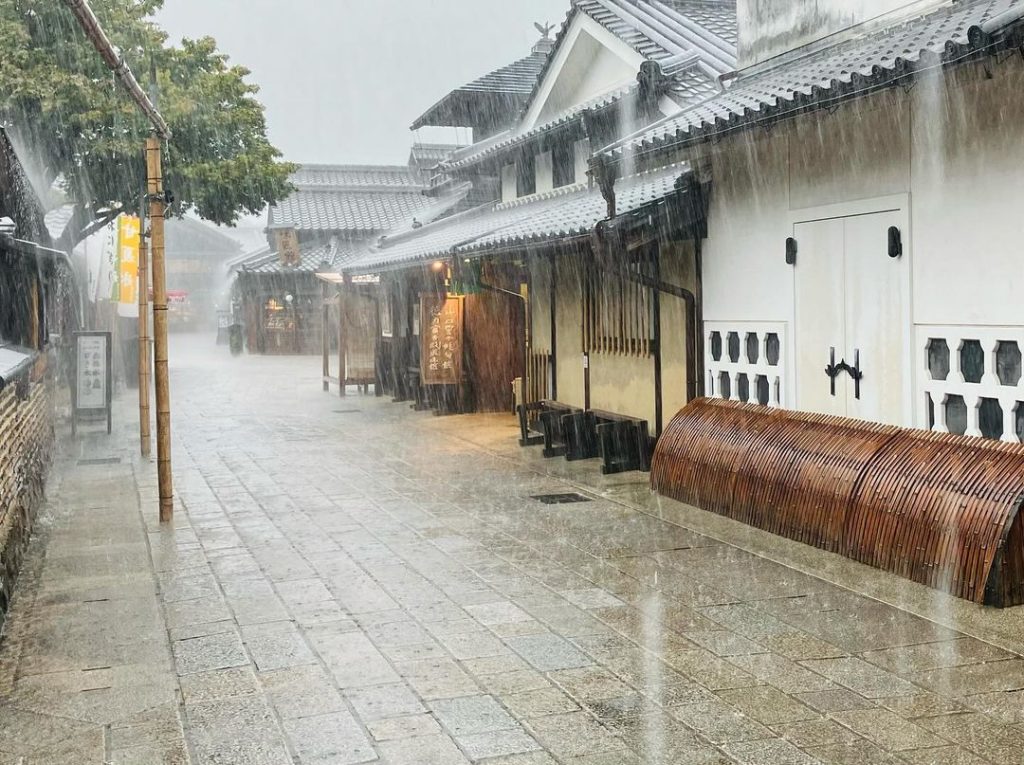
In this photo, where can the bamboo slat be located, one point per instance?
(939, 509)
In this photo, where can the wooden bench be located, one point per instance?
(552, 426)
(622, 442)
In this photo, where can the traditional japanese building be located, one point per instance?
(586, 289)
(863, 252)
(335, 210)
(860, 286)
(38, 313)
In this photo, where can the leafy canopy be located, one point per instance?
(81, 129)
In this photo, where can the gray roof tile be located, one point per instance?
(694, 41)
(569, 212)
(840, 71)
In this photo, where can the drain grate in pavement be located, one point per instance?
(101, 461)
(560, 499)
(346, 411)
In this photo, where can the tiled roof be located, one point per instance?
(517, 77)
(510, 84)
(870, 61)
(563, 213)
(313, 256)
(348, 177)
(431, 154)
(694, 42)
(346, 210)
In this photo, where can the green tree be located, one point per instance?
(61, 102)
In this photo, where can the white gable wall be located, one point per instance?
(590, 61)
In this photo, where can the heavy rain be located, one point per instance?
(533, 382)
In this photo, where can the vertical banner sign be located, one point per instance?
(441, 340)
(92, 392)
(107, 283)
(288, 249)
(129, 237)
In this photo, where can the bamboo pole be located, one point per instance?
(154, 173)
(144, 416)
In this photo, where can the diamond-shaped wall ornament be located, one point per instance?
(772, 349)
(716, 346)
(990, 418)
(743, 388)
(972, 361)
(734, 347)
(1008, 362)
(956, 414)
(938, 358)
(753, 348)
(724, 385)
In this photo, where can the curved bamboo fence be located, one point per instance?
(938, 509)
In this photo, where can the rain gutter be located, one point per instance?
(113, 59)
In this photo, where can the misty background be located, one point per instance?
(342, 80)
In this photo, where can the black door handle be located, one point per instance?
(833, 371)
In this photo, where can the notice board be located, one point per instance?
(440, 339)
(93, 391)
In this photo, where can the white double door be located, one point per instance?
(851, 318)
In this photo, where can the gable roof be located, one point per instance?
(872, 61)
(507, 87)
(349, 199)
(693, 41)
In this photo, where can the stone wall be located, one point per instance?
(26, 449)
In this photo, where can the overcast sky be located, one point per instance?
(342, 80)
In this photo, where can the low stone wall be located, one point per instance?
(26, 451)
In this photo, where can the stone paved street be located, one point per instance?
(349, 581)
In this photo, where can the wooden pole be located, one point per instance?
(325, 342)
(144, 416)
(342, 372)
(154, 171)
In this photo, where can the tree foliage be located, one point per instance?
(81, 130)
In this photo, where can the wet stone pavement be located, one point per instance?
(348, 581)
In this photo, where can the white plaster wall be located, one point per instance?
(954, 145)
(545, 171)
(745, 274)
(509, 189)
(967, 198)
(582, 154)
(769, 28)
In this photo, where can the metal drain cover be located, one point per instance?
(101, 461)
(560, 499)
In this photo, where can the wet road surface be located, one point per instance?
(349, 581)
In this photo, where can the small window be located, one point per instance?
(526, 175)
(563, 157)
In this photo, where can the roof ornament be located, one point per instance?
(545, 44)
(416, 223)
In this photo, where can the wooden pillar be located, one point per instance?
(342, 371)
(144, 416)
(325, 344)
(154, 168)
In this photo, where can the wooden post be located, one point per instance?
(144, 417)
(325, 343)
(154, 173)
(342, 372)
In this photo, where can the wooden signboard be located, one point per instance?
(93, 388)
(288, 249)
(440, 339)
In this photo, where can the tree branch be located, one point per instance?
(79, 228)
